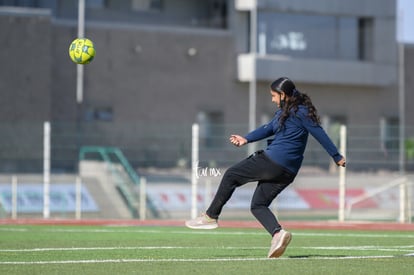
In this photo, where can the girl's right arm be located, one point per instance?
(238, 140)
(260, 133)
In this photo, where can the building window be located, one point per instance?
(146, 5)
(217, 13)
(99, 114)
(365, 38)
(95, 4)
(19, 3)
(314, 36)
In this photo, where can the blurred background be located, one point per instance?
(163, 65)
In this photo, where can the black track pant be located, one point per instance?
(272, 179)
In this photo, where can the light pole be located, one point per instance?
(252, 83)
(405, 35)
(79, 68)
(401, 104)
(79, 77)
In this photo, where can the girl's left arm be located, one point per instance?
(322, 137)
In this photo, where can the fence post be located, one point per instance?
(78, 191)
(14, 197)
(142, 198)
(403, 201)
(194, 166)
(409, 201)
(342, 176)
(46, 169)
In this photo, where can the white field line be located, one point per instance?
(94, 261)
(208, 232)
(13, 229)
(108, 230)
(408, 248)
(189, 260)
(125, 248)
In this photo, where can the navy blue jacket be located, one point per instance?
(289, 143)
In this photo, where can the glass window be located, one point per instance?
(365, 39)
(99, 114)
(95, 4)
(348, 31)
(146, 5)
(308, 36)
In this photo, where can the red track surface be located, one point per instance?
(230, 224)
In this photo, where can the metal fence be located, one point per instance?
(169, 145)
(162, 155)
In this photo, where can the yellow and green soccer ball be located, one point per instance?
(82, 51)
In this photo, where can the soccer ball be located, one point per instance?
(82, 51)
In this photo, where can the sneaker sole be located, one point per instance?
(279, 252)
(202, 226)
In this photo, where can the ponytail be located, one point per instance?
(296, 98)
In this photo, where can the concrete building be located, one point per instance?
(163, 65)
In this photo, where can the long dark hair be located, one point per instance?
(296, 98)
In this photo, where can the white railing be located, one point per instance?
(404, 210)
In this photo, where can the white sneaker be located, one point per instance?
(202, 222)
(279, 243)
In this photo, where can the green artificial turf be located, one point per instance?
(173, 250)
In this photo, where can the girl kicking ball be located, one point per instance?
(275, 167)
